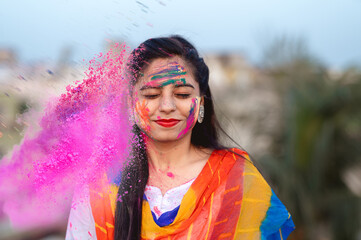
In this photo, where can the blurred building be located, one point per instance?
(246, 101)
(7, 57)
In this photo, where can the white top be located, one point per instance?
(160, 204)
(81, 225)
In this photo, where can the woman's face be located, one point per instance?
(166, 100)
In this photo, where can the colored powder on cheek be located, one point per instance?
(143, 112)
(191, 117)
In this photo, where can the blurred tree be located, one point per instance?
(319, 139)
(11, 130)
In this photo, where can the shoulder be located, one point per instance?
(242, 158)
(242, 169)
(232, 152)
(239, 156)
(268, 213)
(252, 177)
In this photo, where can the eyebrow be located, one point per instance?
(158, 87)
(148, 87)
(184, 85)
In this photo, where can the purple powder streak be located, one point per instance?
(83, 135)
(191, 118)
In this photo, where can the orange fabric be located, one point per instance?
(103, 210)
(209, 210)
(228, 200)
(211, 207)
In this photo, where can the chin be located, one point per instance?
(164, 136)
(163, 139)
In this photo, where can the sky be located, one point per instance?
(40, 29)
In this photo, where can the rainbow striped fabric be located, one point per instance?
(228, 200)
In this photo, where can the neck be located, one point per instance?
(169, 155)
(174, 163)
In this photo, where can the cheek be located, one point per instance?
(193, 111)
(142, 114)
(192, 116)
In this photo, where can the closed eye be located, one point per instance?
(151, 96)
(182, 95)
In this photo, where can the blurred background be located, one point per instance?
(286, 78)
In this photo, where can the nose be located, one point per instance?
(167, 104)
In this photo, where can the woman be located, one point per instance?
(180, 182)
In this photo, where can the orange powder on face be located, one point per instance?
(143, 112)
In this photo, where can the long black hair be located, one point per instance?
(128, 213)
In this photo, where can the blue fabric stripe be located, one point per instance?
(166, 218)
(277, 221)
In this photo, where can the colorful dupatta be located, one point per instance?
(228, 200)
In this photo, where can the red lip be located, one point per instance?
(167, 122)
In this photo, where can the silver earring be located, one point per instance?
(201, 114)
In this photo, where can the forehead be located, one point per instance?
(174, 70)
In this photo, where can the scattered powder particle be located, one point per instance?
(170, 174)
(157, 211)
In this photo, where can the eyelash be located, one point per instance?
(154, 96)
(151, 96)
(183, 95)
